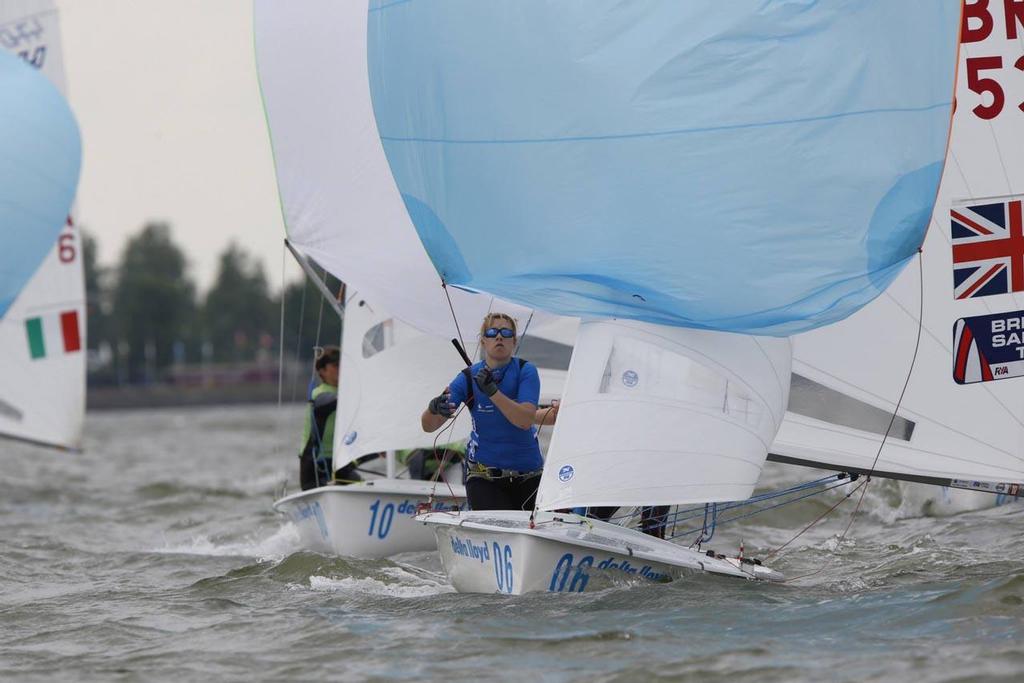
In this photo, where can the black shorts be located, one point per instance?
(507, 493)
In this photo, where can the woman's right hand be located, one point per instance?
(442, 405)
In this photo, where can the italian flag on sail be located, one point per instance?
(48, 333)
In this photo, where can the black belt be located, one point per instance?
(478, 470)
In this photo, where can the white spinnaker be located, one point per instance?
(661, 415)
(42, 398)
(973, 431)
(341, 205)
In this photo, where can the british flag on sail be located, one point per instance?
(988, 248)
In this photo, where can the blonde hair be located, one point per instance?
(491, 317)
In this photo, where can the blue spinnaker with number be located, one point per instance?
(758, 166)
(40, 158)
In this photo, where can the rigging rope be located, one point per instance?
(860, 487)
(298, 338)
(863, 487)
(712, 510)
(442, 461)
(455, 319)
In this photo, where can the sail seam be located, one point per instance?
(669, 133)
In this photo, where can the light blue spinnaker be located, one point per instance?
(759, 166)
(40, 158)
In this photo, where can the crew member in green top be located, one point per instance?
(316, 462)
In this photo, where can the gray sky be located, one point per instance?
(167, 100)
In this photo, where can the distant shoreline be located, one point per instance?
(171, 395)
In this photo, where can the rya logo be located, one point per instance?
(630, 378)
(565, 474)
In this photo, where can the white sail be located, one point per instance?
(850, 375)
(387, 368)
(42, 336)
(343, 210)
(340, 202)
(658, 415)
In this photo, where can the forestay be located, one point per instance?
(851, 374)
(664, 415)
(42, 306)
(749, 166)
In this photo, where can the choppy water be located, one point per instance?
(155, 555)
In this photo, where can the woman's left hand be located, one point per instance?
(485, 380)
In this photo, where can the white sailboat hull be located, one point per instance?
(497, 552)
(371, 519)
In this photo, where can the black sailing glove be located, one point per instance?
(485, 380)
(441, 405)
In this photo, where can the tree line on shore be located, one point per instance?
(147, 323)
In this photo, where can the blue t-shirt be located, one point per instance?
(494, 441)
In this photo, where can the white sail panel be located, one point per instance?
(388, 371)
(659, 415)
(341, 205)
(42, 396)
(42, 338)
(946, 430)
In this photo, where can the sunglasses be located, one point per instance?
(492, 332)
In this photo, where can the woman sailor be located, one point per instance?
(503, 460)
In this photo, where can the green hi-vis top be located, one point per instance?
(327, 438)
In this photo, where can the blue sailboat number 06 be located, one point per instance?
(503, 568)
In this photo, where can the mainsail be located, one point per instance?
(42, 302)
(763, 168)
(961, 421)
